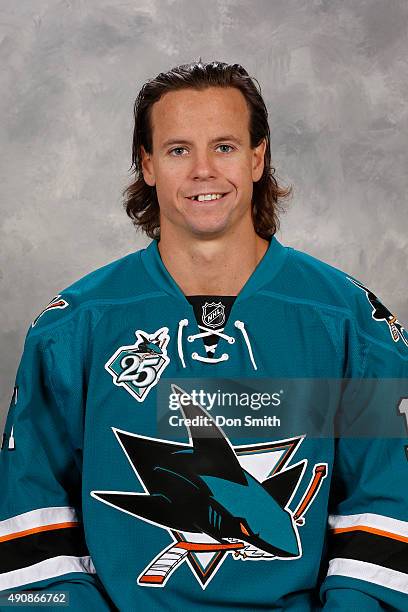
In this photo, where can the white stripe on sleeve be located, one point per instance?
(37, 518)
(374, 521)
(369, 572)
(50, 568)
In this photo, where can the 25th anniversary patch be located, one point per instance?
(138, 367)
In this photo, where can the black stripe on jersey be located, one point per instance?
(372, 548)
(30, 549)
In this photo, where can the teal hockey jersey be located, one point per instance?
(139, 470)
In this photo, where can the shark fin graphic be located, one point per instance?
(283, 484)
(149, 506)
(214, 454)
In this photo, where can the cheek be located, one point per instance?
(168, 189)
(166, 182)
(237, 171)
(170, 177)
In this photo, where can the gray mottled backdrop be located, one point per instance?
(334, 74)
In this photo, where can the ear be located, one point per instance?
(147, 167)
(258, 160)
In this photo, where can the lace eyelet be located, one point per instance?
(231, 340)
(194, 356)
(225, 356)
(190, 339)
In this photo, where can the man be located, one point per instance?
(102, 502)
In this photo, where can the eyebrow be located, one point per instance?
(173, 141)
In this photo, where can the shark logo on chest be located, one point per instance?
(214, 499)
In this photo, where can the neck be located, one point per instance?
(219, 266)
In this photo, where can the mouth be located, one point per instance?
(207, 198)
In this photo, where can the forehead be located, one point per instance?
(182, 112)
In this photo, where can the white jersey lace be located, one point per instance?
(210, 332)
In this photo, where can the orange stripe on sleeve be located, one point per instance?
(21, 534)
(380, 532)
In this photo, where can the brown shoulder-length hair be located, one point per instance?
(141, 202)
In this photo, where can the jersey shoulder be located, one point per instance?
(328, 287)
(122, 279)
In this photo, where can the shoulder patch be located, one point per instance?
(56, 302)
(138, 367)
(381, 314)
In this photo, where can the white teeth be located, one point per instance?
(207, 197)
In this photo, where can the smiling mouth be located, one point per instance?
(208, 197)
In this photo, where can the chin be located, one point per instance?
(208, 231)
(209, 227)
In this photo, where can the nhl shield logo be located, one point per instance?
(213, 314)
(138, 367)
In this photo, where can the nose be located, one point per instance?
(202, 166)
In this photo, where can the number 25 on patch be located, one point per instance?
(138, 367)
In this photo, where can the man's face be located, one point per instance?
(201, 145)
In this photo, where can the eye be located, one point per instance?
(177, 149)
(225, 145)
